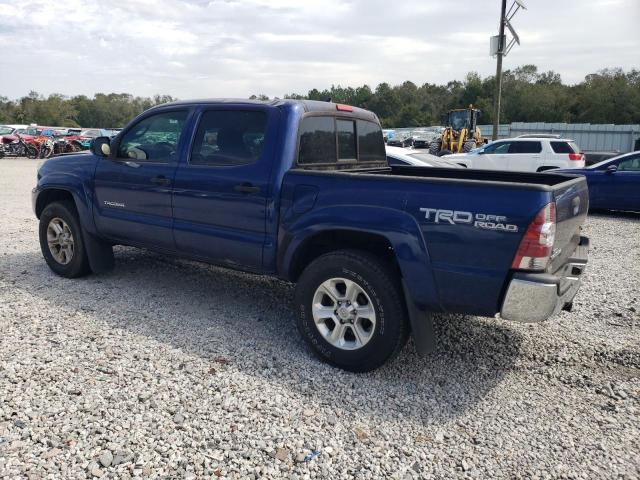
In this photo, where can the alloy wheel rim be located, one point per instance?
(60, 241)
(343, 313)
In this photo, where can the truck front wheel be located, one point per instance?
(350, 310)
(61, 240)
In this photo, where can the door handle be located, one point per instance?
(246, 188)
(161, 180)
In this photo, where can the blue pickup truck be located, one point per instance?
(302, 190)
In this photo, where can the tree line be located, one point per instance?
(111, 110)
(608, 96)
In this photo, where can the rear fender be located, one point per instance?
(403, 234)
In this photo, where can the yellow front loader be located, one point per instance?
(461, 133)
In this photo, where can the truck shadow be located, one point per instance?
(614, 214)
(248, 320)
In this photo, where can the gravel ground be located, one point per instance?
(168, 368)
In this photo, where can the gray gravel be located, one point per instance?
(168, 368)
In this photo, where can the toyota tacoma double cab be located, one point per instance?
(302, 190)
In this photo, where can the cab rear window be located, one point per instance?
(329, 140)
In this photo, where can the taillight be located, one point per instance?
(536, 246)
(576, 156)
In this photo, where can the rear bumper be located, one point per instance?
(534, 297)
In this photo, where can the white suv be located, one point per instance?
(527, 153)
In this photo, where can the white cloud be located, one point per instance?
(197, 48)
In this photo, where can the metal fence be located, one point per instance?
(594, 138)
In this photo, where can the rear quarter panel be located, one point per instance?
(471, 260)
(448, 266)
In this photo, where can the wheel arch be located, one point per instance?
(99, 252)
(50, 195)
(333, 239)
(393, 233)
(401, 250)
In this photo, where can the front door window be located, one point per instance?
(154, 139)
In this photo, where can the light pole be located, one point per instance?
(496, 102)
(500, 52)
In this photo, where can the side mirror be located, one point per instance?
(611, 169)
(101, 146)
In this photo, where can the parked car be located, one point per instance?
(95, 133)
(397, 156)
(422, 138)
(400, 139)
(373, 250)
(524, 154)
(6, 130)
(387, 134)
(614, 184)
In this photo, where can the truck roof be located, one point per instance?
(307, 105)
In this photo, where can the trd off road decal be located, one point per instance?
(485, 221)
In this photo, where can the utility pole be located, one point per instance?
(500, 53)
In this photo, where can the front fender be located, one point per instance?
(398, 227)
(74, 174)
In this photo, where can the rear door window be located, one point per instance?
(525, 147)
(564, 147)
(317, 141)
(229, 137)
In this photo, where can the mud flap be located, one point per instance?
(100, 253)
(421, 325)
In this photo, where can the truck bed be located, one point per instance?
(469, 266)
(456, 175)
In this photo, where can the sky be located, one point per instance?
(235, 48)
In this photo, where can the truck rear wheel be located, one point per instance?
(350, 310)
(61, 240)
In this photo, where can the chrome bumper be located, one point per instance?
(534, 297)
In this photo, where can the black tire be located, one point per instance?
(442, 153)
(434, 147)
(381, 285)
(31, 151)
(545, 169)
(79, 263)
(468, 146)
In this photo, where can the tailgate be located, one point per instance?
(572, 205)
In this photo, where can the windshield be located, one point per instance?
(459, 119)
(6, 130)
